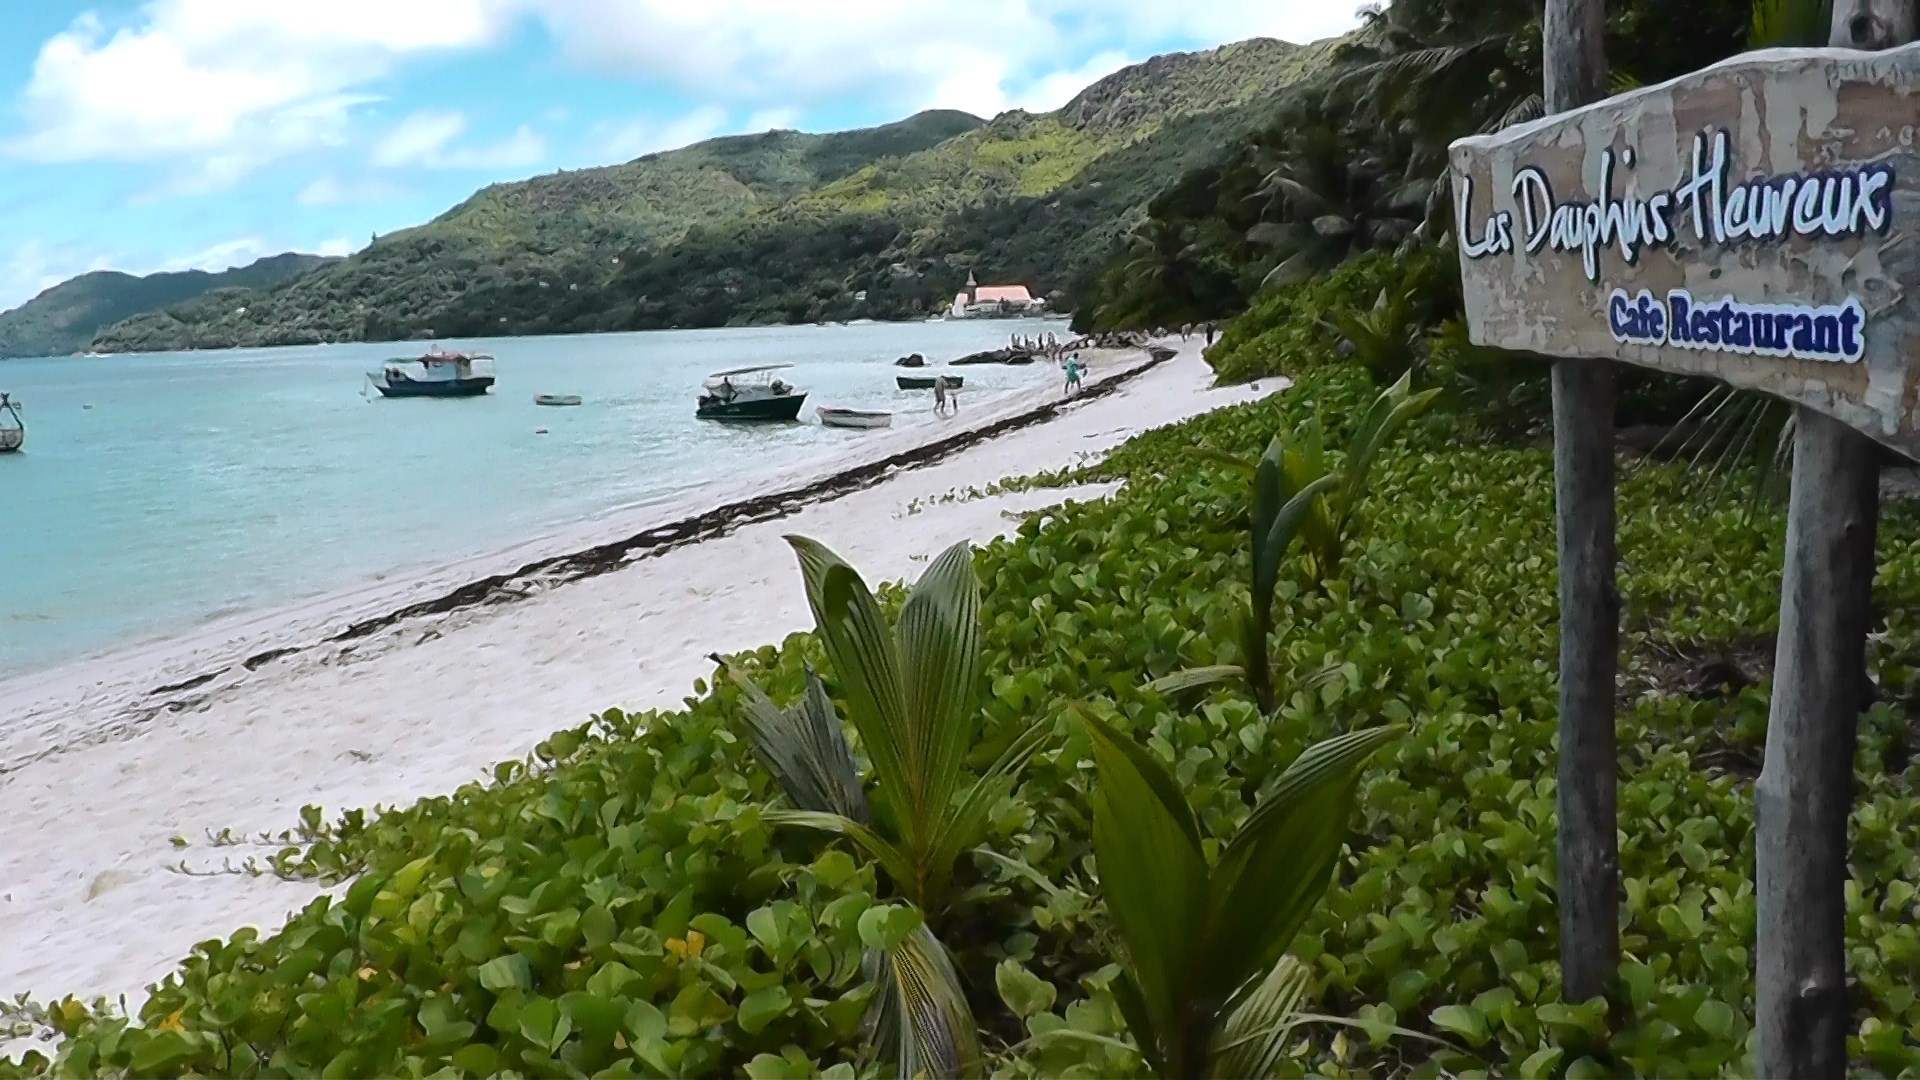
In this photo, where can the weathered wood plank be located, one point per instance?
(1805, 791)
(1810, 299)
(1588, 882)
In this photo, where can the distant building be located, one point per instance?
(994, 302)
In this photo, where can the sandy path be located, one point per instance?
(89, 905)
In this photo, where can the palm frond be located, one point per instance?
(804, 747)
(1259, 1024)
(937, 1034)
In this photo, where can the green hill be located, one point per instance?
(65, 318)
(780, 227)
(558, 228)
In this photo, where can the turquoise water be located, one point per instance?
(200, 485)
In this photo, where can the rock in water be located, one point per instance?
(911, 360)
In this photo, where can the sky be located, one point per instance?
(175, 134)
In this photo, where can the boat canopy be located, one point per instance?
(749, 370)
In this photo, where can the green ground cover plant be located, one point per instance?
(620, 904)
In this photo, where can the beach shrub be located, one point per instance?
(1292, 329)
(626, 870)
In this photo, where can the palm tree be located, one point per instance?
(1331, 192)
(913, 694)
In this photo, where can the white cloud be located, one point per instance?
(778, 118)
(425, 139)
(228, 84)
(337, 247)
(1057, 88)
(982, 56)
(330, 189)
(417, 138)
(222, 256)
(216, 89)
(35, 267)
(624, 142)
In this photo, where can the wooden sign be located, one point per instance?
(1751, 221)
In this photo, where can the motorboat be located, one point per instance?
(831, 416)
(925, 382)
(556, 399)
(749, 393)
(436, 373)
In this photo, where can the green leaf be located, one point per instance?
(1201, 678)
(1024, 992)
(1154, 878)
(695, 1009)
(885, 927)
(1276, 868)
(1716, 1018)
(1463, 1020)
(763, 1007)
(510, 972)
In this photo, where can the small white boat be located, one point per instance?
(556, 399)
(854, 418)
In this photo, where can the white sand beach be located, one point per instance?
(98, 772)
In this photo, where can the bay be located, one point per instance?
(160, 492)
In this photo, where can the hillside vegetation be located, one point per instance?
(780, 227)
(65, 318)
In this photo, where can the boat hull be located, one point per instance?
(557, 400)
(12, 440)
(758, 410)
(848, 418)
(925, 382)
(450, 388)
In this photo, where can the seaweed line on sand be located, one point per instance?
(600, 559)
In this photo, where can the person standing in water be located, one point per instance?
(939, 395)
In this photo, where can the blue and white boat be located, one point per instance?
(436, 373)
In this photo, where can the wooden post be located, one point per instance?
(1805, 791)
(1589, 855)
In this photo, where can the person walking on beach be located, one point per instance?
(1073, 374)
(939, 395)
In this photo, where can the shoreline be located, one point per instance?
(111, 846)
(183, 661)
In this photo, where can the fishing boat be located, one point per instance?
(556, 399)
(749, 393)
(13, 430)
(925, 382)
(435, 374)
(854, 418)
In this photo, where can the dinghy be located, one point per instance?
(556, 399)
(925, 382)
(854, 418)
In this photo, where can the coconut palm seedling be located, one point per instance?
(1206, 986)
(912, 694)
(1297, 494)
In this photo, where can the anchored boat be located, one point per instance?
(925, 382)
(13, 430)
(436, 374)
(854, 418)
(750, 393)
(556, 399)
